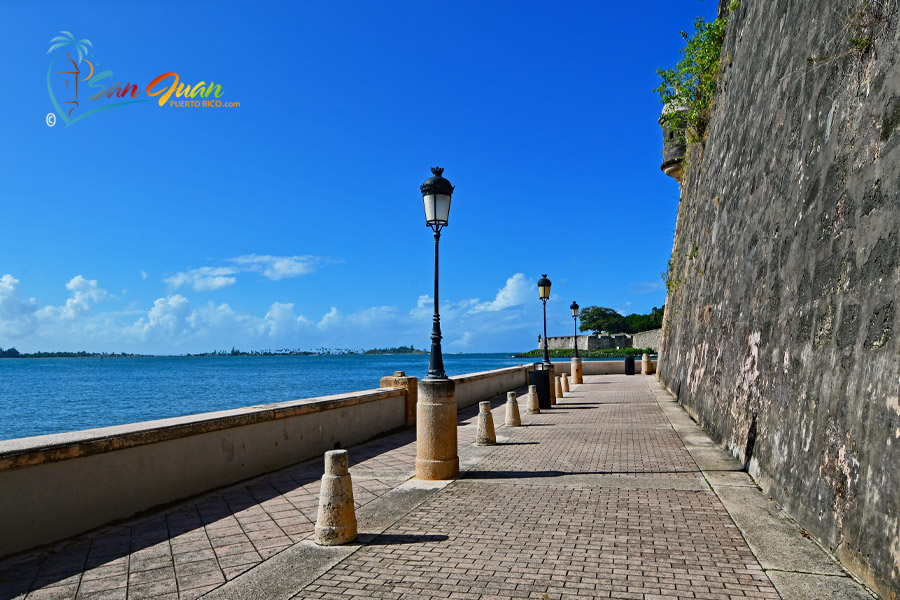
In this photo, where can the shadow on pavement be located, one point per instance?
(388, 539)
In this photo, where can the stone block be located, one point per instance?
(400, 380)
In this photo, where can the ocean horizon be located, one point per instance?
(40, 396)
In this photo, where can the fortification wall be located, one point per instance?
(781, 324)
(647, 339)
(593, 341)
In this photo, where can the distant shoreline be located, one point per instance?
(400, 350)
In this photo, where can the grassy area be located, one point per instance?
(622, 353)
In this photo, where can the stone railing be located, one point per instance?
(56, 486)
(475, 387)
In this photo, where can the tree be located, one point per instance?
(598, 318)
(636, 323)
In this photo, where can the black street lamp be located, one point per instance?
(436, 192)
(544, 292)
(574, 309)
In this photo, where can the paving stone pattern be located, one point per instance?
(186, 551)
(507, 529)
(484, 538)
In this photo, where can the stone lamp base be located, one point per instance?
(436, 454)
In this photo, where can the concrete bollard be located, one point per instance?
(533, 407)
(485, 435)
(646, 365)
(512, 410)
(565, 383)
(336, 521)
(559, 393)
(577, 371)
(436, 457)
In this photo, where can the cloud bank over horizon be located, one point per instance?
(89, 319)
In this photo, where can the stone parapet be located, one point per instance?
(145, 462)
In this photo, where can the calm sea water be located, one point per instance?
(53, 395)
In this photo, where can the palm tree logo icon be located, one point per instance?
(61, 42)
(67, 39)
(65, 45)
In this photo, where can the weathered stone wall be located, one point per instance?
(647, 339)
(782, 319)
(593, 341)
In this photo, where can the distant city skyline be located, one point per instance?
(294, 220)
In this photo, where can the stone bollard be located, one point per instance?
(646, 365)
(436, 457)
(512, 410)
(577, 371)
(336, 521)
(400, 380)
(559, 393)
(485, 435)
(533, 407)
(565, 383)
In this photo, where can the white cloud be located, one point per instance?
(17, 316)
(86, 289)
(173, 324)
(463, 341)
(84, 293)
(281, 321)
(517, 291)
(277, 267)
(144, 274)
(168, 314)
(331, 318)
(204, 278)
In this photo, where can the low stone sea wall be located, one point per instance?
(55, 486)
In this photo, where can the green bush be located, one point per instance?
(690, 86)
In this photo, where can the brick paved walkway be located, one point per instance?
(558, 513)
(188, 550)
(596, 498)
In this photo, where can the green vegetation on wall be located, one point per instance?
(689, 87)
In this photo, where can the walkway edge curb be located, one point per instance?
(288, 572)
(798, 567)
(284, 575)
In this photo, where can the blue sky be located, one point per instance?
(295, 220)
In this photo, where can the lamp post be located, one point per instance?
(436, 193)
(574, 308)
(436, 443)
(544, 293)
